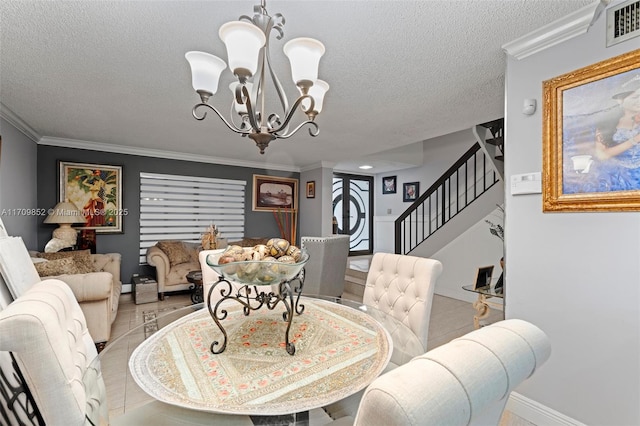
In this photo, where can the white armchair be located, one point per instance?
(324, 272)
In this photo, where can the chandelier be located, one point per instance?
(247, 43)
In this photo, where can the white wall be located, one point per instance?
(18, 184)
(439, 154)
(575, 275)
(462, 257)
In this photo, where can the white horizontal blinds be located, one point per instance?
(174, 207)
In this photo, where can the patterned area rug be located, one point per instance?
(339, 350)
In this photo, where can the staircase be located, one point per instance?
(474, 174)
(354, 282)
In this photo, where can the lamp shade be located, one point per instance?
(205, 71)
(65, 212)
(243, 41)
(317, 92)
(304, 54)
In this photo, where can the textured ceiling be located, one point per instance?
(401, 72)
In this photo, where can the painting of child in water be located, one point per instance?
(601, 135)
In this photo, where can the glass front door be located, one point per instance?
(352, 207)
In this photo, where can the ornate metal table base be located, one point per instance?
(197, 292)
(251, 299)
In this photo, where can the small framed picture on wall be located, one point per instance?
(389, 185)
(311, 189)
(410, 191)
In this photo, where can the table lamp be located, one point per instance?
(64, 214)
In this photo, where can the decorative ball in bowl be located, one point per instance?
(263, 264)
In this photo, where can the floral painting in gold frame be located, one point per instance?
(275, 193)
(591, 138)
(96, 190)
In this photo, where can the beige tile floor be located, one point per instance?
(450, 318)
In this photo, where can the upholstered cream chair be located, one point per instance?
(401, 286)
(98, 294)
(173, 265)
(324, 272)
(48, 336)
(46, 331)
(464, 382)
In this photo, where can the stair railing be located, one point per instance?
(467, 179)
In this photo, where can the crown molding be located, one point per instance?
(156, 153)
(318, 165)
(563, 29)
(18, 123)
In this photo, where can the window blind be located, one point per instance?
(174, 207)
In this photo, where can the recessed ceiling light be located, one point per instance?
(366, 167)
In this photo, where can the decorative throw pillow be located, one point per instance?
(65, 265)
(175, 251)
(194, 252)
(82, 258)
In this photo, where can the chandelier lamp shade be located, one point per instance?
(248, 57)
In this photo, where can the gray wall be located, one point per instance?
(257, 224)
(575, 275)
(311, 208)
(18, 183)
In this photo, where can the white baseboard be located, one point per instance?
(126, 288)
(537, 413)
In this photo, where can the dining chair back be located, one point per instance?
(464, 382)
(403, 287)
(47, 334)
(210, 277)
(325, 271)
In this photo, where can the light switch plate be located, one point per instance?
(527, 183)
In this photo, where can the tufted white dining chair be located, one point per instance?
(464, 382)
(47, 334)
(403, 286)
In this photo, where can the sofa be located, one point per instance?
(174, 259)
(94, 280)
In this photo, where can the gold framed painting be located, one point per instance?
(275, 193)
(591, 138)
(96, 190)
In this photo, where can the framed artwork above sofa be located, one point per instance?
(96, 190)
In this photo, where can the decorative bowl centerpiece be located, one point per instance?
(263, 264)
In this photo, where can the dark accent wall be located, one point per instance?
(257, 224)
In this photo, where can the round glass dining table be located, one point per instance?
(342, 346)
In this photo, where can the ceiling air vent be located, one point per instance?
(623, 22)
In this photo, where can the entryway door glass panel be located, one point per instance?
(352, 207)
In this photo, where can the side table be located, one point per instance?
(195, 278)
(145, 289)
(482, 305)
